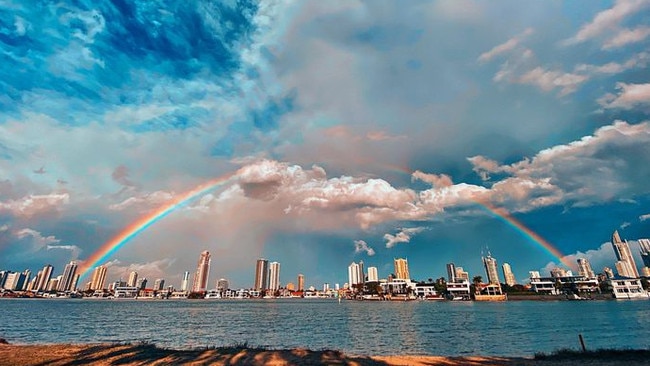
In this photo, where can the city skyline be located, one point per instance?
(253, 130)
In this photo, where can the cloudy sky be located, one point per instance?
(355, 131)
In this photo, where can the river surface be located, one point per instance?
(513, 328)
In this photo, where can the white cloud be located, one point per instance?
(40, 240)
(362, 246)
(403, 236)
(629, 96)
(143, 201)
(644, 217)
(74, 250)
(607, 20)
(625, 224)
(627, 36)
(579, 171)
(34, 204)
(548, 80)
(435, 180)
(505, 47)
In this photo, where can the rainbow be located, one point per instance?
(113, 245)
(504, 216)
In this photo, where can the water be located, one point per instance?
(514, 328)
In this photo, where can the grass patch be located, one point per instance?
(600, 354)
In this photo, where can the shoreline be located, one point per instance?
(149, 354)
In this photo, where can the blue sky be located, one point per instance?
(357, 131)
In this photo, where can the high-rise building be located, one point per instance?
(645, 271)
(159, 284)
(68, 277)
(44, 279)
(402, 269)
(608, 272)
(626, 267)
(261, 275)
(53, 284)
(584, 268)
(451, 272)
(133, 279)
(461, 275)
(353, 274)
(644, 244)
(372, 274)
(142, 283)
(14, 281)
(274, 276)
(491, 269)
(75, 282)
(559, 272)
(223, 284)
(508, 276)
(99, 277)
(200, 283)
(362, 272)
(185, 283)
(301, 282)
(27, 274)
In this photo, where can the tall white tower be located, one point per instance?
(626, 267)
(274, 276)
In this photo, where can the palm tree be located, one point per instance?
(477, 280)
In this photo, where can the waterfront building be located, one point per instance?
(44, 278)
(75, 282)
(186, 281)
(133, 279)
(69, 273)
(354, 276)
(27, 274)
(645, 271)
(555, 285)
(291, 286)
(222, 284)
(451, 272)
(53, 284)
(3, 278)
(491, 269)
(372, 274)
(584, 268)
(362, 272)
(200, 283)
(158, 284)
(628, 288)
(301, 282)
(508, 276)
(644, 244)
(461, 274)
(402, 269)
(274, 276)
(625, 265)
(14, 281)
(31, 286)
(142, 283)
(99, 278)
(261, 275)
(459, 290)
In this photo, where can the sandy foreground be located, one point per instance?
(109, 354)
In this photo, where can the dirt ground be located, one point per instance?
(109, 354)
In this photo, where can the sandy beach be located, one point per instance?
(146, 354)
